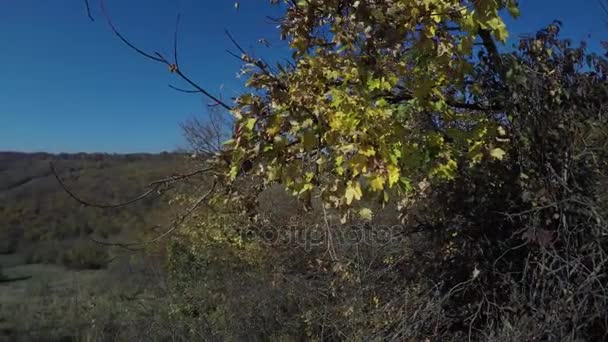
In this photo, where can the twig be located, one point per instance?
(183, 90)
(158, 57)
(98, 205)
(175, 59)
(123, 39)
(154, 186)
(175, 225)
(245, 57)
(86, 4)
(236, 44)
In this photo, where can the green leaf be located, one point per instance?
(513, 9)
(250, 123)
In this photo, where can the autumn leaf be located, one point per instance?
(366, 214)
(498, 153)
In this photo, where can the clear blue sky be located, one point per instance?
(68, 85)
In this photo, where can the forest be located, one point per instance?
(404, 175)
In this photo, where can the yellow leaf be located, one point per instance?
(358, 164)
(377, 183)
(234, 170)
(393, 174)
(307, 123)
(498, 153)
(367, 151)
(353, 192)
(501, 131)
(366, 214)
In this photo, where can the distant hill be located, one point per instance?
(42, 223)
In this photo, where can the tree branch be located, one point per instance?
(175, 59)
(157, 57)
(490, 46)
(176, 224)
(406, 96)
(154, 186)
(183, 90)
(86, 4)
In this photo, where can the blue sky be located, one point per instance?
(68, 85)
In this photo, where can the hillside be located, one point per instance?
(44, 236)
(40, 221)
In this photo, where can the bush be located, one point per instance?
(85, 254)
(511, 248)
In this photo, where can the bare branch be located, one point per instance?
(176, 224)
(154, 186)
(492, 50)
(86, 4)
(123, 39)
(160, 58)
(236, 44)
(207, 137)
(98, 205)
(196, 86)
(175, 59)
(183, 90)
(245, 57)
(181, 177)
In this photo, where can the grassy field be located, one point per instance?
(61, 304)
(74, 289)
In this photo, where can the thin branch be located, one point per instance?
(181, 177)
(240, 58)
(196, 86)
(160, 59)
(175, 34)
(245, 57)
(490, 46)
(123, 39)
(174, 226)
(183, 90)
(154, 186)
(99, 205)
(86, 4)
(236, 44)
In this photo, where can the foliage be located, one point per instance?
(85, 254)
(496, 160)
(380, 96)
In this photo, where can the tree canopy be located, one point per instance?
(380, 95)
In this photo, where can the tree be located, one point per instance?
(379, 96)
(497, 159)
(207, 137)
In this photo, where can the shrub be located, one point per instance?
(85, 254)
